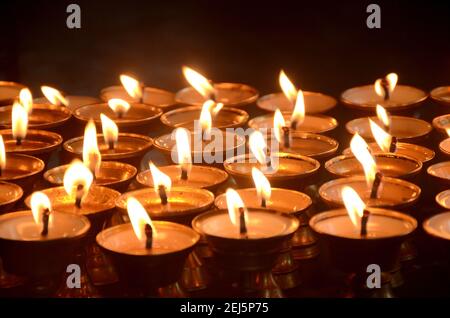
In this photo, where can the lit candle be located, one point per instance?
(58, 98)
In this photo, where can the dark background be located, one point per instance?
(322, 45)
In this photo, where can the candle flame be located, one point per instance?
(132, 86)
(77, 180)
(391, 78)
(205, 117)
(200, 83)
(139, 218)
(383, 116)
(382, 138)
(119, 106)
(39, 203)
(19, 119)
(26, 99)
(2, 154)
(110, 130)
(183, 149)
(360, 150)
(447, 130)
(353, 204)
(278, 124)
(298, 116)
(91, 154)
(54, 96)
(258, 146)
(159, 178)
(262, 185)
(288, 88)
(234, 203)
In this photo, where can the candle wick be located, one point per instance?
(393, 146)
(45, 219)
(376, 185)
(286, 135)
(242, 225)
(79, 195)
(263, 203)
(149, 236)
(18, 141)
(364, 221)
(111, 145)
(385, 86)
(120, 114)
(162, 194)
(184, 174)
(141, 99)
(294, 124)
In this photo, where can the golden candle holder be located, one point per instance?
(10, 194)
(73, 101)
(441, 95)
(22, 170)
(315, 103)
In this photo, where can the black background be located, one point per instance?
(322, 45)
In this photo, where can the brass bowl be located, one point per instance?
(10, 193)
(22, 170)
(441, 95)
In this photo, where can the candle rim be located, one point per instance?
(18, 191)
(427, 226)
(31, 161)
(54, 140)
(437, 92)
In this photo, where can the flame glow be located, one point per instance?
(354, 205)
(132, 86)
(278, 124)
(19, 119)
(26, 99)
(139, 218)
(262, 185)
(288, 88)
(77, 179)
(39, 203)
(54, 96)
(200, 83)
(382, 138)
(159, 178)
(205, 117)
(391, 78)
(361, 151)
(234, 203)
(383, 116)
(298, 116)
(119, 106)
(109, 129)
(183, 149)
(258, 146)
(91, 154)
(2, 154)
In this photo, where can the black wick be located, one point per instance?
(286, 135)
(149, 236)
(45, 219)
(364, 221)
(80, 188)
(242, 225)
(376, 185)
(162, 194)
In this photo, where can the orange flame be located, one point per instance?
(354, 205)
(139, 218)
(200, 83)
(54, 96)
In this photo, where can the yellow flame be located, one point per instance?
(298, 116)
(354, 205)
(234, 203)
(109, 129)
(288, 88)
(382, 138)
(77, 180)
(216, 109)
(205, 116)
(139, 218)
(26, 99)
(159, 178)
(183, 148)
(278, 124)
(383, 116)
(391, 78)
(39, 203)
(361, 151)
(54, 96)
(91, 154)
(447, 130)
(262, 185)
(119, 106)
(258, 146)
(132, 86)
(200, 83)
(2, 154)
(19, 119)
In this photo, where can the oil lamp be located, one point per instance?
(114, 146)
(132, 118)
(10, 194)
(358, 236)
(58, 98)
(315, 103)
(287, 201)
(201, 90)
(279, 167)
(39, 244)
(247, 242)
(134, 91)
(20, 169)
(441, 95)
(9, 91)
(148, 255)
(385, 92)
(184, 174)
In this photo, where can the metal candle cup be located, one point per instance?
(130, 148)
(441, 123)
(112, 174)
(9, 91)
(141, 269)
(439, 175)
(22, 170)
(44, 117)
(227, 117)
(393, 193)
(202, 177)
(73, 101)
(10, 193)
(444, 146)
(406, 129)
(151, 96)
(441, 95)
(229, 94)
(315, 103)
(294, 171)
(38, 143)
(443, 199)
(438, 226)
(140, 118)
